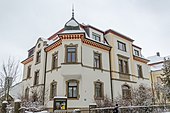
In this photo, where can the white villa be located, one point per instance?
(83, 63)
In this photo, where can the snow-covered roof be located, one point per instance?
(156, 67)
(72, 31)
(17, 100)
(155, 59)
(86, 36)
(4, 102)
(44, 39)
(72, 22)
(52, 41)
(156, 62)
(60, 97)
(101, 42)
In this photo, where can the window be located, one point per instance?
(136, 52)
(72, 89)
(54, 60)
(126, 92)
(98, 90)
(30, 52)
(123, 66)
(29, 71)
(71, 54)
(27, 93)
(139, 68)
(36, 78)
(96, 36)
(38, 57)
(121, 46)
(97, 60)
(53, 88)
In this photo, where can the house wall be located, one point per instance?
(29, 82)
(83, 72)
(134, 80)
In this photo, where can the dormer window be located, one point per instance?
(96, 37)
(121, 46)
(30, 52)
(136, 52)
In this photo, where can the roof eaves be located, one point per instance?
(118, 34)
(90, 26)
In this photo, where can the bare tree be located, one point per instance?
(9, 74)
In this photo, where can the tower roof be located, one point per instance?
(72, 24)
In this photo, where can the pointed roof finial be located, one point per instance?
(72, 10)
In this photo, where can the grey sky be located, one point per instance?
(22, 22)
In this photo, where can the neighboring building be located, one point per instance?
(15, 92)
(156, 70)
(83, 63)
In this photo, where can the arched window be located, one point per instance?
(53, 89)
(99, 90)
(126, 92)
(27, 93)
(72, 88)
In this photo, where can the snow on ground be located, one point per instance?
(37, 112)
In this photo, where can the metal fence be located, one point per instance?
(125, 109)
(145, 109)
(122, 109)
(133, 109)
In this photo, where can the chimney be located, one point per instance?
(158, 54)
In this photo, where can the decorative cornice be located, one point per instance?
(124, 80)
(71, 36)
(29, 59)
(140, 59)
(95, 44)
(54, 45)
(84, 40)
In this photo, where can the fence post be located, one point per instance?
(4, 105)
(17, 105)
(116, 109)
(91, 106)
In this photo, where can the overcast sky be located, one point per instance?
(22, 22)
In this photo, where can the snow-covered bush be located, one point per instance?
(140, 96)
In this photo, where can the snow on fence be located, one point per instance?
(120, 109)
(132, 109)
(123, 109)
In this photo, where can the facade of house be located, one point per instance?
(129, 68)
(83, 64)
